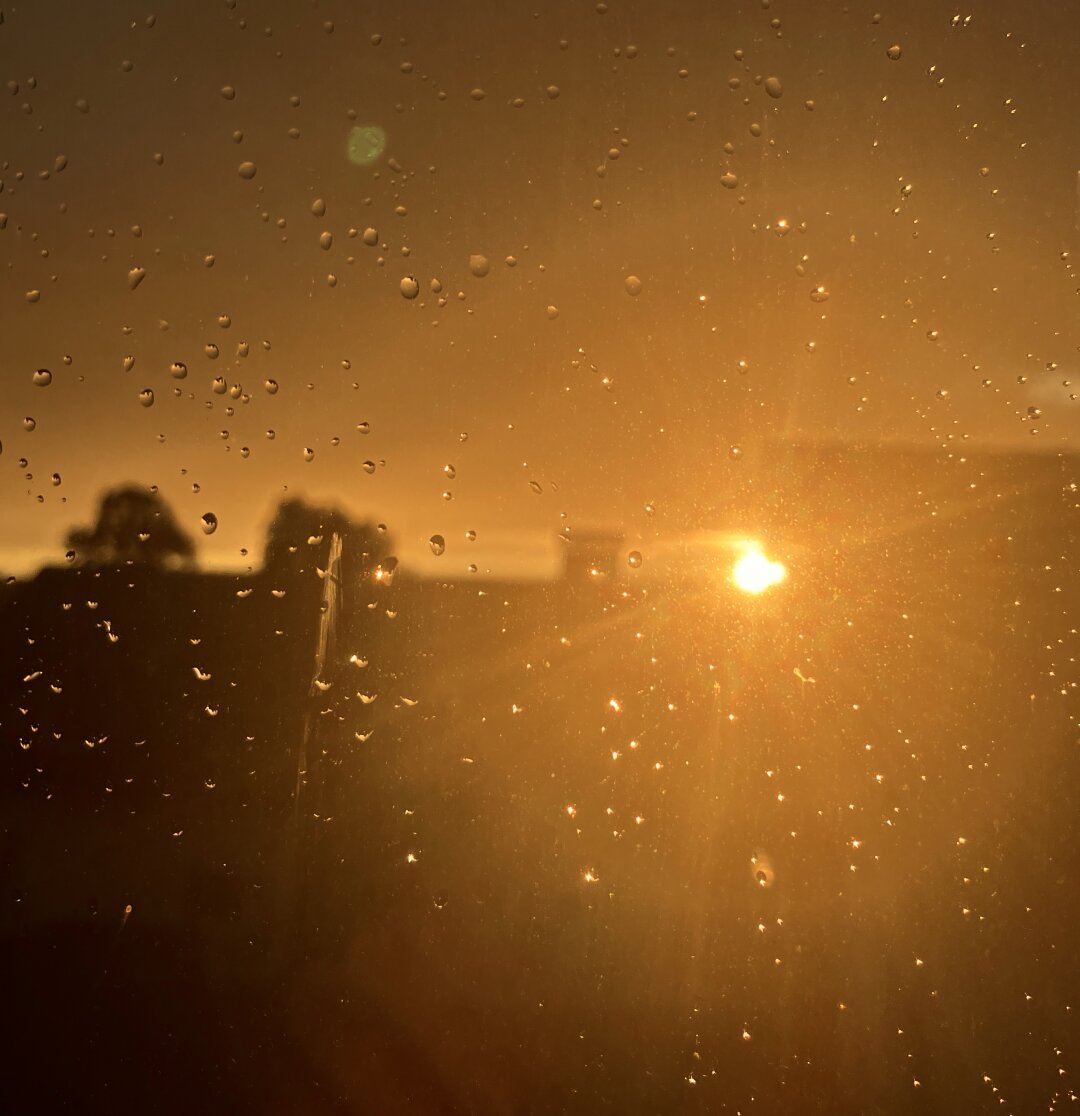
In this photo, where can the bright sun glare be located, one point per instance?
(754, 573)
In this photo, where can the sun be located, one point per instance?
(754, 573)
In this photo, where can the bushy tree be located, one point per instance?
(298, 540)
(134, 526)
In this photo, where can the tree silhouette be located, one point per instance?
(298, 540)
(134, 527)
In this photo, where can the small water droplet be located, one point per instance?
(209, 523)
(894, 52)
(29, 424)
(734, 452)
(309, 454)
(438, 545)
(146, 397)
(178, 370)
(819, 294)
(633, 285)
(633, 559)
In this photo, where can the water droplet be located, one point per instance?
(478, 94)
(773, 87)
(135, 276)
(410, 288)
(729, 180)
(326, 241)
(438, 545)
(552, 91)
(178, 370)
(479, 266)
(819, 294)
(247, 170)
(893, 52)
(368, 466)
(219, 386)
(146, 397)
(734, 452)
(309, 454)
(633, 559)
(55, 478)
(228, 92)
(42, 377)
(633, 285)
(318, 208)
(470, 536)
(29, 424)
(449, 471)
(33, 296)
(129, 363)
(211, 350)
(535, 486)
(271, 387)
(552, 312)
(371, 237)
(209, 523)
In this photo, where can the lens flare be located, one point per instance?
(754, 573)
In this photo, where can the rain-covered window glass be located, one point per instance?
(538, 553)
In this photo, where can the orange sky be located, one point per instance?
(933, 197)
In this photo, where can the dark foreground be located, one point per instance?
(635, 846)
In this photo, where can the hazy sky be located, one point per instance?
(873, 243)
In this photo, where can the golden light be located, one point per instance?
(754, 573)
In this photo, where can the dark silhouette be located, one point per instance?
(298, 540)
(134, 527)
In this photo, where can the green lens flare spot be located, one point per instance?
(365, 144)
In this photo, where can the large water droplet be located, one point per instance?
(773, 87)
(438, 545)
(209, 523)
(42, 377)
(146, 397)
(410, 288)
(894, 52)
(633, 285)
(135, 276)
(479, 266)
(178, 370)
(247, 170)
(633, 559)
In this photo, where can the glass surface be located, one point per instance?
(539, 554)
